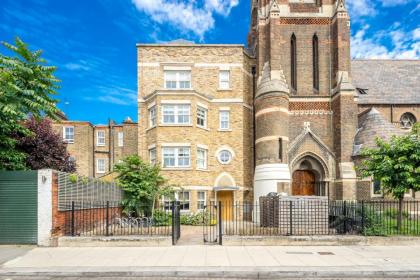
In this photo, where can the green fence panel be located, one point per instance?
(18, 207)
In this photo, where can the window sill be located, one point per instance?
(68, 142)
(178, 89)
(176, 168)
(204, 128)
(204, 170)
(175, 125)
(97, 172)
(150, 128)
(224, 130)
(102, 145)
(224, 89)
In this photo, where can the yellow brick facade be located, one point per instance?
(205, 63)
(86, 151)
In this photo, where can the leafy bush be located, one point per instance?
(162, 218)
(198, 219)
(393, 213)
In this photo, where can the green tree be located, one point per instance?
(396, 164)
(142, 184)
(27, 87)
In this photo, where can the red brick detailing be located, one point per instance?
(303, 8)
(305, 106)
(303, 21)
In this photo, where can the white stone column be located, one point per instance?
(44, 206)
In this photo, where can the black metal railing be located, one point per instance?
(106, 218)
(277, 217)
(213, 223)
(176, 221)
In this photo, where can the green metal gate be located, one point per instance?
(18, 207)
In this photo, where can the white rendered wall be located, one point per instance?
(266, 178)
(44, 206)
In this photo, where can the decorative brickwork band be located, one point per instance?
(304, 21)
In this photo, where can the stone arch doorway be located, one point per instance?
(308, 177)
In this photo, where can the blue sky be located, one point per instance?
(93, 42)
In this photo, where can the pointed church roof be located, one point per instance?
(373, 125)
(271, 81)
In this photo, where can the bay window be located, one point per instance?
(176, 157)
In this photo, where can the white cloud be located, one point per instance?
(186, 16)
(77, 66)
(358, 8)
(405, 45)
(392, 3)
(118, 95)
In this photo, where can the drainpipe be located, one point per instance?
(110, 145)
(94, 152)
(392, 113)
(253, 71)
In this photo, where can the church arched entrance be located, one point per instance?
(303, 183)
(308, 177)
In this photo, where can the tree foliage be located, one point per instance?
(142, 184)
(44, 147)
(27, 87)
(396, 164)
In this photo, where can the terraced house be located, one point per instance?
(288, 113)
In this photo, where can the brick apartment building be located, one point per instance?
(96, 148)
(289, 113)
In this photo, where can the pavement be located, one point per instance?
(10, 252)
(216, 262)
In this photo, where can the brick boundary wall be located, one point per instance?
(85, 218)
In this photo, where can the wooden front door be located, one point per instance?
(303, 183)
(226, 197)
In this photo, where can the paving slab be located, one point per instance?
(261, 262)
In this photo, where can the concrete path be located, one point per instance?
(9, 252)
(289, 262)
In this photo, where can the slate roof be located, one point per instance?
(373, 125)
(387, 81)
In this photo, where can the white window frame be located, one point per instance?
(177, 109)
(120, 136)
(224, 82)
(219, 156)
(178, 80)
(153, 158)
(69, 141)
(204, 160)
(372, 190)
(152, 116)
(221, 120)
(201, 201)
(100, 171)
(202, 117)
(176, 152)
(182, 206)
(98, 143)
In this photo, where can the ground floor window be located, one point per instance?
(184, 199)
(201, 200)
(376, 188)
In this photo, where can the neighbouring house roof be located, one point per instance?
(372, 126)
(387, 81)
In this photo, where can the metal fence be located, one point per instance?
(72, 187)
(106, 218)
(320, 217)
